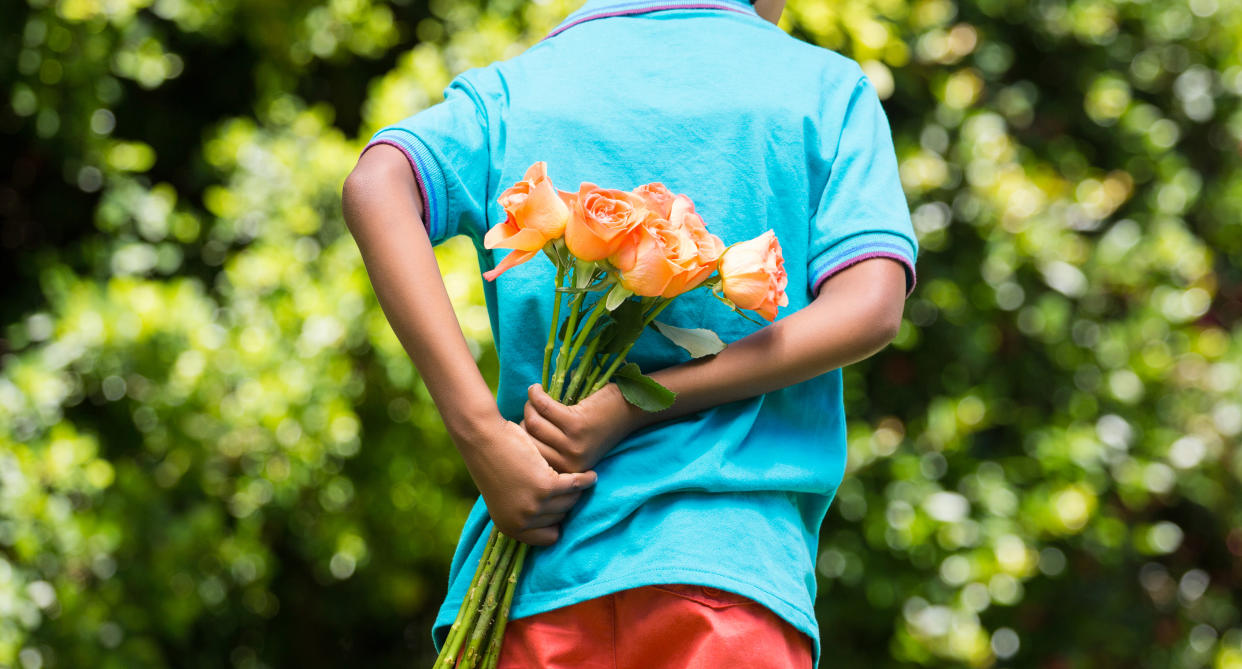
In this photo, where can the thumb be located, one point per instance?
(574, 482)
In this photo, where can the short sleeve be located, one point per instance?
(447, 146)
(862, 212)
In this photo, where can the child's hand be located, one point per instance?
(574, 438)
(525, 497)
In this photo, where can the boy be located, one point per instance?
(689, 537)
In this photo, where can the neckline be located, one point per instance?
(600, 9)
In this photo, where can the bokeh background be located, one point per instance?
(214, 452)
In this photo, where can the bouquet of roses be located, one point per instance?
(621, 257)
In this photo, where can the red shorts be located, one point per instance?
(657, 627)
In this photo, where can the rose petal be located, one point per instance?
(512, 260)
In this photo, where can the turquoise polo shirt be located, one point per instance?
(763, 131)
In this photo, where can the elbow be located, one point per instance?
(363, 182)
(887, 335)
(885, 325)
(890, 325)
(351, 194)
(888, 306)
(888, 332)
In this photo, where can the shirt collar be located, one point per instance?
(599, 9)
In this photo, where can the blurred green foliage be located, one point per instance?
(214, 452)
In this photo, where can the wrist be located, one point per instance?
(471, 425)
(629, 417)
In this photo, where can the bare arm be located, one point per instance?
(856, 313)
(384, 213)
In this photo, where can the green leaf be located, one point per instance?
(624, 326)
(563, 258)
(641, 390)
(698, 342)
(585, 273)
(617, 296)
(593, 289)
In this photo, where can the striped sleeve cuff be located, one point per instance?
(859, 247)
(431, 183)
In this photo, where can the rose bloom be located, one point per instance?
(752, 275)
(657, 197)
(535, 214)
(667, 257)
(600, 220)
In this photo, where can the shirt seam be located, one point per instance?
(605, 12)
(476, 98)
(911, 277)
(836, 153)
(860, 246)
(428, 166)
(431, 199)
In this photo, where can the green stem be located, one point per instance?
(562, 358)
(588, 361)
(498, 635)
(556, 318)
(469, 605)
(600, 308)
(651, 315)
(607, 375)
(471, 658)
(608, 372)
(492, 657)
(590, 382)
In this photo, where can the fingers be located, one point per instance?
(560, 451)
(552, 514)
(542, 528)
(547, 520)
(539, 529)
(553, 458)
(561, 503)
(542, 429)
(553, 411)
(573, 482)
(543, 536)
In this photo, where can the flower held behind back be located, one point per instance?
(600, 221)
(535, 214)
(667, 257)
(752, 275)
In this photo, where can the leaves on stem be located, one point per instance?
(593, 289)
(617, 296)
(641, 390)
(626, 325)
(698, 342)
(584, 273)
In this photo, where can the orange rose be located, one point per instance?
(752, 275)
(697, 249)
(535, 214)
(600, 221)
(642, 258)
(667, 257)
(658, 198)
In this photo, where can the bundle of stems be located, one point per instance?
(591, 350)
